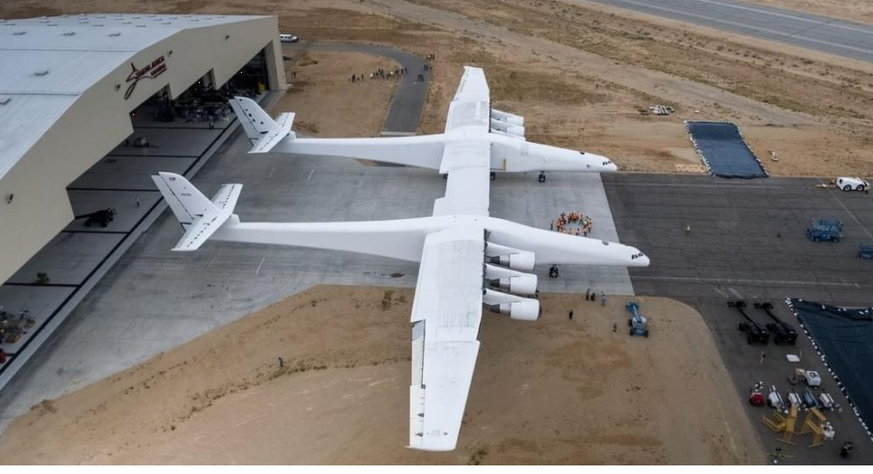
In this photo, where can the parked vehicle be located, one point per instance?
(286, 38)
(783, 333)
(755, 331)
(849, 183)
(825, 230)
(866, 250)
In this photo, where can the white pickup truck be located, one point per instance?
(851, 184)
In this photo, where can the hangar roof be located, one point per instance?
(46, 63)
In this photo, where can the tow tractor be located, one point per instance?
(102, 217)
(830, 230)
(638, 324)
(782, 331)
(754, 331)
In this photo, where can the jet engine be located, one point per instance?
(515, 131)
(510, 280)
(509, 257)
(507, 128)
(516, 307)
(507, 117)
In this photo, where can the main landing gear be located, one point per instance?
(542, 177)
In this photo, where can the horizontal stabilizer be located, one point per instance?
(199, 216)
(264, 132)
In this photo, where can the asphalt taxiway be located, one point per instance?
(713, 240)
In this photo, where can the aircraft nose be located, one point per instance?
(638, 259)
(606, 165)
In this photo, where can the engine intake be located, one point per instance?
(516, 307)
(509, 257)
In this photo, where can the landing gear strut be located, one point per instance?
(542, 177)
(493, 176)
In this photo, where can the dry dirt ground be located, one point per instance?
(852, 10)
(554, 391)
(584, 75)
(327, 104)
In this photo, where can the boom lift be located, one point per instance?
(782, 331)
(755, 332)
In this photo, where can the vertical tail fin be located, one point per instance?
(199, 216)
(263, 131)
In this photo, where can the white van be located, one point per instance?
(285, 38)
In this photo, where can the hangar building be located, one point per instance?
(69, 84)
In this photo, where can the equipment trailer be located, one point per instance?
(754, 331)
(782, 331)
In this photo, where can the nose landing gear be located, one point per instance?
(542, 177)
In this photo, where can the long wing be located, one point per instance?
(471, 106)
(445, 323)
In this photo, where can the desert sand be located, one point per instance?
(553, 391)
(584, 75)
(327, 104)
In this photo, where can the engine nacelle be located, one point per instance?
(510, 257)
(515, 131)
(520, 285)
(507, 135)
(510, 280)
(507, 117)
(516, 307)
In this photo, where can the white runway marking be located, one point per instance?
(310, 175)
(740, 281)
(260, 265)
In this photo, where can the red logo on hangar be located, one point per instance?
(149, 71)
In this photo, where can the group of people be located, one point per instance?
(394, 73)
(585, 223)
(379, 74)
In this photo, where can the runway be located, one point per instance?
(818, 33)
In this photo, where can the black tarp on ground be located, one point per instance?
(845, 338)
(723, 149)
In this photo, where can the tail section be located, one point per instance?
(264, 132)
(199, 216)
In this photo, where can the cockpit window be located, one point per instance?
(581, 152)
(605, 242)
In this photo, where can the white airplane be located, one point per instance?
(471, 120)
(467, 258)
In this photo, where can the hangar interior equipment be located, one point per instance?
(94, 105)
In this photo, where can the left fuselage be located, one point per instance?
(508, 154)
